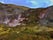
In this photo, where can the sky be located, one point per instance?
(29, 3)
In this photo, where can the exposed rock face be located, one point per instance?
(13, 15)
(47, 17)
(11, 19)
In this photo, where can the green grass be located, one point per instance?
(25, 33)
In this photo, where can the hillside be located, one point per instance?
(13, 15)
(23, 23)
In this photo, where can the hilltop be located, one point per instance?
(14, 15)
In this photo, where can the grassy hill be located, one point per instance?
(31, 31)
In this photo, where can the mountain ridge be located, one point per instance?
(19, 15)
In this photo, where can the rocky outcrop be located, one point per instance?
(47, 17)
(13, 15)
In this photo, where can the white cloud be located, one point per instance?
(51, 0)
(2, 1)
(34, 2)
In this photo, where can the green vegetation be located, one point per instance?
(25, 33)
